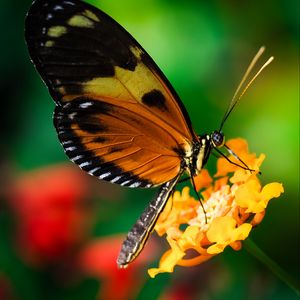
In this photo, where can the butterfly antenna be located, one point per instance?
(243, 166)
(199, 198)
(255, 76)
(236, 97)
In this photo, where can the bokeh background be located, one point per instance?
(60, 230)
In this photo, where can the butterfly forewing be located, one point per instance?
(117, 116)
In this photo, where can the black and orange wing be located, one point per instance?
(116, 114)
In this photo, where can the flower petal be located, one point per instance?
(271, 190)
(247, 196)
(239, 146)
(203, 180)
(220, 229)
(169, 259)
(223, 232)
(190, 237)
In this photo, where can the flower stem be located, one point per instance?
(253, 249)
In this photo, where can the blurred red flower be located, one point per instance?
(52, 213)
(53, 217)
(98, 259)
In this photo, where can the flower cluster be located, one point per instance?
(233, 206)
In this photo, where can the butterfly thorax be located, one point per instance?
(193, 160)
(201, 150)
(201, 153)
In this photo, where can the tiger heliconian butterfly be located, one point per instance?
(116, 115)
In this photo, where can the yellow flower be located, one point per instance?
(233, 205)
(253, 198)
(223, 231)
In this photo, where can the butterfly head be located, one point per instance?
(217, 139)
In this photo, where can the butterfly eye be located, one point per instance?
(217, 139)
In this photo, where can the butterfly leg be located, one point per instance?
(141, 230)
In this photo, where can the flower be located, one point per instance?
(52, 213)
(98, 259)
(234, 202)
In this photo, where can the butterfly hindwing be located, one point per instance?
(109, 142)
(115, 111)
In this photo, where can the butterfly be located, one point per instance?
(116, 114)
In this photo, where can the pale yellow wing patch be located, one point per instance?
(57, 31)
(81, 21)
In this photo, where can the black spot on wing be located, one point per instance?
(92, 125)
(149, 62)
(114, 149)
(99, 139)
(155, 98)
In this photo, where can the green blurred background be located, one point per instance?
(203, 47)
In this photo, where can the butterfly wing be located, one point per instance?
(111, 142)
(116, 115)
